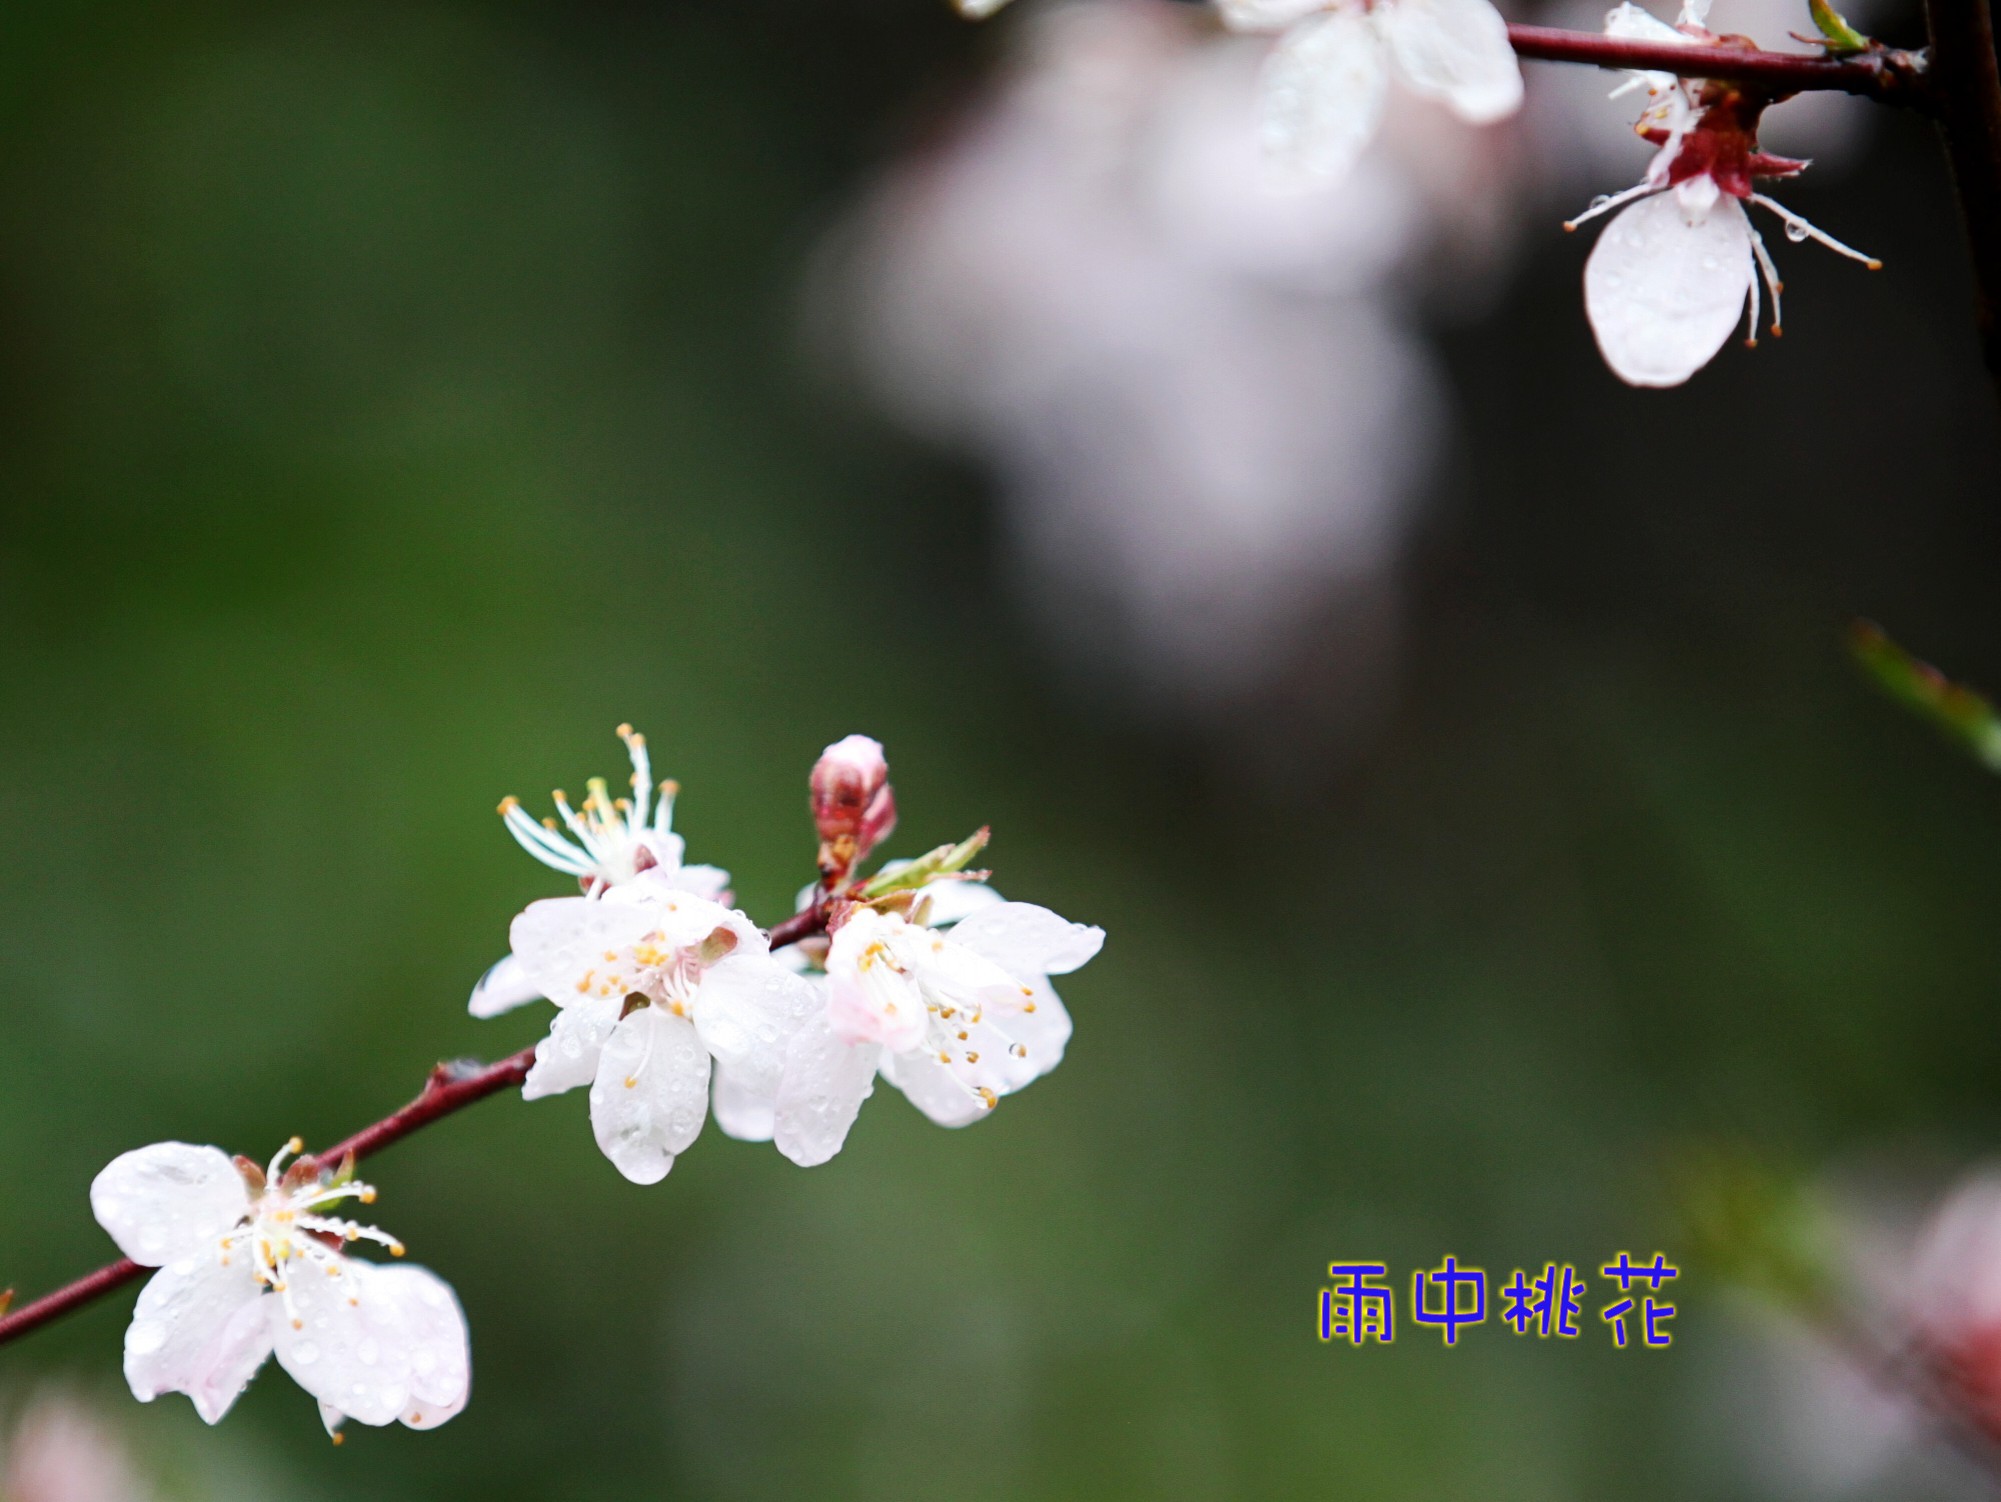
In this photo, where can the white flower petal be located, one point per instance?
(1266, 15)
(747, 1009)
(1456, 51)
(1044, 1032)
(561, 940)
(712, 882)
(651, 1093)
(1028, 941)
(503, 988)
(745, 1114)
(167, 1201)
(568, 1057)
(198, 1328)
(1630, 23)
(1663, 294)
(952, 900)
(871, 996)
(680, 918)
(826, 1080)
(933, 1088)
(1322, 97)
(439, 1348)
(359, 1334)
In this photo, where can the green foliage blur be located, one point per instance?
(394, 398)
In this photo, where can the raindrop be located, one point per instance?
(1795, 232)
(145, 1337)
(305, 1353)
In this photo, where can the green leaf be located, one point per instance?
(1841, 37)
(1962, 714)
(928, 867)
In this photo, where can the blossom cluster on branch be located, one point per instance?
(669, 1002)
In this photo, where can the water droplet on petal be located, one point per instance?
(145, 1337)
(1795, 232)
(305, 1353)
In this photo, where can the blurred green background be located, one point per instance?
(393, 398)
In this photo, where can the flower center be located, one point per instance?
(288, 1234)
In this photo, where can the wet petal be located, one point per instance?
(747, 1010)
(562, 940)
(502, 989)
(651, 1093)
(372, 1342)
(439, 1347)
(745, 1114)
(952, 900)
(1456, 51)
(826, 1080)
(1028, 941)
(1266, 15)
(933, 1088)
(167, 1201)
(200, 1328)
(568, 1057)
(1322, 97)
(1663, 294)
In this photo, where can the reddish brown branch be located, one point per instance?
(1887, 75)
(451, 1087)
(72, 1296)
(800, 925)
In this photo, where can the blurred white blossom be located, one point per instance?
(1205, 402)
(60, 1449)
(1326, 83)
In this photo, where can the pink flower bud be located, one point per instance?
(854, 807)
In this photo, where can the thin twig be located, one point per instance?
(1884, 74)
(451, 1088)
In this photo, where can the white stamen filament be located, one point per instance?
(604, 834)
(1771, 274)
(1604, 203)
(1794, 222)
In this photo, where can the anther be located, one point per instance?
(295, 1145)
(508, 805)
(338, 1437)
(397, 1249)
(988, 1097)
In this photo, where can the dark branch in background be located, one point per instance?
(1885, 75)
(1967, 87)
